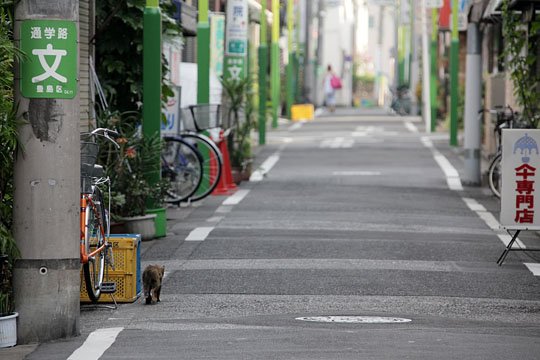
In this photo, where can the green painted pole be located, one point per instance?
(263, 78)
(433, 57)
(152, 101)
(275, 67)
(290, 65)
(454, 71)
(203, 54)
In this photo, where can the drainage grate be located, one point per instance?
(355, 319)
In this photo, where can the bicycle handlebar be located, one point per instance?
(106, 133)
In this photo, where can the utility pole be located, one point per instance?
(47, 172)
(203, 54)
(290, 65)
(454, 75)
(426, 95)
(151, 125)
(275, 67)
(473, 103)
(263, 78)
(434, 51)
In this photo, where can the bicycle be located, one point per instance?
(190, 160)
(401, 101)
(95, 249)
(506, 118)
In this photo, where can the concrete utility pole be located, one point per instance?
(454, 75)
(275, 66)
(433, 56)
(47, 173)
(290, 65)
(473, 104)
(426, 95)
(263, 75)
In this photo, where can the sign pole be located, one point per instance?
(434, 82)
(151, 125)
(263, 75)
(426, 93)
(454, 75)
(203, 54)
(275, 66)
(290, 65)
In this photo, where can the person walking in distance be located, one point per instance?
(331, 83)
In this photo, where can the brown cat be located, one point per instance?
(151, 278)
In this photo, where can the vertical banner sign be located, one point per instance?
(50, 69)
(236, 45)
(217, 40)
(520, 178)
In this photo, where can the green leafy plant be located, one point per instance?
(520, 43)
(127, 166)
(119, 50)
(8, 149)
(240, 115)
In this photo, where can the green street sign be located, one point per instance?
(235, 67)
(49, 69)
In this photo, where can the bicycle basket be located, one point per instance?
(89, 152)
(202, 117)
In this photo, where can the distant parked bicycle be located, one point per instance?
(95, 249)
(191, 160)
(505, 118)
(401, 101)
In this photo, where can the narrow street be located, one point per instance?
(357, 216)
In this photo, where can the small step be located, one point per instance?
(108, 287)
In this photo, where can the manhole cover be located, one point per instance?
(354, 319)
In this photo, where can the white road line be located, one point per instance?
(492, 223)
(199, 234)
(356, 173)
(296, 125)
(534, 268)
(411, 127)
(223, 209)
(236, 197)
(319, 112)
(265, 167)
(215, 219)
(96, 344)
(452, 175)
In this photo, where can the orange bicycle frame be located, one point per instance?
(85, 201)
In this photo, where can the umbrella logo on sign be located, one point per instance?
(526, 145)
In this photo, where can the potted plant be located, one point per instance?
(127, 168)
(240, 118)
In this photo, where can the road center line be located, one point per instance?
(199, 234)
(236, 197)
(96, 344)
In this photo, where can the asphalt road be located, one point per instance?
(355, 218)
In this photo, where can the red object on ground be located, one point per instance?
(226, 185)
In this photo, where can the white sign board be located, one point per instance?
(431, 4)
(170, 127)
(383, 2)
(520, 178)
(236, 28)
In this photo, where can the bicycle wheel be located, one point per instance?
(182, 165)
(212, 163)
(495, 175)
(93, 240)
